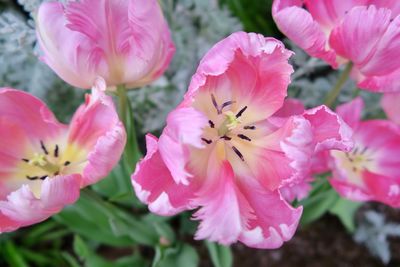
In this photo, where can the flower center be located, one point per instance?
(229, 128)
(46, 164)
(358, 158)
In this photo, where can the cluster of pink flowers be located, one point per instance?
(234, 150)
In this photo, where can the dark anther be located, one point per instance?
(32, 178)
(43, 177)
(56, 151)
(240, 113)
(25, 160)
(43, 147)
(249, 127)
(238, 153)
(227, 138)
(212, 125)
(214, 101)
(67, 163)
(354, 169)
(206, 140)
(242, 136)
(355, 151)
(228, 103)
(56, 173)
(348, 157)
(364, 150)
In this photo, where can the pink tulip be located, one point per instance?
(43, 163)
(223, 153)
(370, 172)
(364, 32)
(126, 42)
(391, 105)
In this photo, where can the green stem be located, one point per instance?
(122, 103)
(132, 152)
(334, 93)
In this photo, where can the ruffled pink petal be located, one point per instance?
(13, 143)
(393, 5)
(272, 220)
(385, 189)
(329, 12)
(359, 34)
(386, 147)
(290, 107)
(330, 131)
(299, 26)
(297, 191)
(155, 186)
(383, 61)
(184, 129)
(151, 43)
(30, 114)
(316, 131)
(220, 212)
(351, 111)
(22, 208)
(381, 84)
(255, 69)
(350, 191)
(69, 53)
(391, 105)
(97, 128)
(126, 42)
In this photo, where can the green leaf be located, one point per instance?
(70, 259)
(345, 210)
(12, 255)
(183, 255)
(108, 224)
(221, 256)
(317, 205)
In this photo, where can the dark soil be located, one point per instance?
(324, 243)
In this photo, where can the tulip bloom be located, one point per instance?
(371, 170)
(223, 153)
(125, 42)
(364, 32)
(43, 163)
(391, 105)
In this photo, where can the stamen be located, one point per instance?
(56, 173)
(227, 138)
(242, 136)
(228, 103)
(207, 141)
(56, 151)
(25, 160)
(355, 151)
(43, 177)
(240, 113)
(364, 150)
(212, 125)
(43, 147)
(214, 101)
(67, 163)
(240, 155)
(249, 127)
(32, 178)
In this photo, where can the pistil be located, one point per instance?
(41, 161)
(231, 122)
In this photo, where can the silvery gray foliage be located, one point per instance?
(374, 232)
(21, 67)
(314, 78)
(196, 25)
